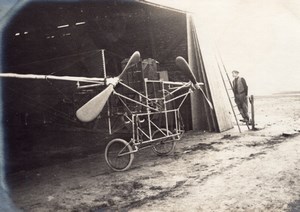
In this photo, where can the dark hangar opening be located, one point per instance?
(66, 38)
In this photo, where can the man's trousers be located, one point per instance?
(241, 101)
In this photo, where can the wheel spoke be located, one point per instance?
(164, 146)
(112, 155)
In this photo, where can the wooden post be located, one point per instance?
(252, 111)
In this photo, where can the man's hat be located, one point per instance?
(235, 71)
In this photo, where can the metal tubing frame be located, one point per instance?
(137, 130)
(165, 108)
(139, 103)
(136, 127)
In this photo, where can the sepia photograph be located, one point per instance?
(149, 105)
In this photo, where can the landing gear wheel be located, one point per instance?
(165, 145)
(118, 154)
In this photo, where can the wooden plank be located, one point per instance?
(201, 118)
(210, 113)
(214, 83)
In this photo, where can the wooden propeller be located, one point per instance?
(184, 66)
(90, 110)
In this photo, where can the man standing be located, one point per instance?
(240, 90)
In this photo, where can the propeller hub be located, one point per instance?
(113, 81)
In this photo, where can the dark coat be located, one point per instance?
(240, 86)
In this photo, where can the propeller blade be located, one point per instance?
(207, 100)
(183, 65)
(90, 110)
(135, 58)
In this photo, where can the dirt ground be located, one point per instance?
(230, 171)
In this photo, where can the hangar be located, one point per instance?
(84, 38)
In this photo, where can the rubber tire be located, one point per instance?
(170, 147)
(119, 144)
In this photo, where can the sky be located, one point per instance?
(259, 38)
